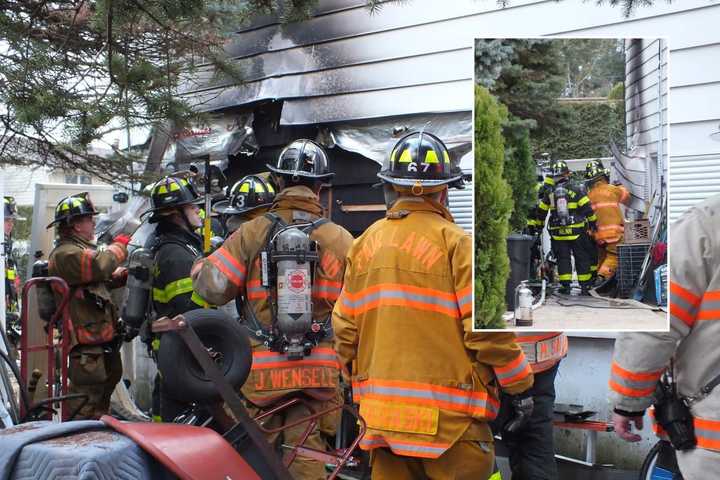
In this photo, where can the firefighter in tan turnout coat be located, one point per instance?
(90, 272)
(426, 384)
(692, 344)
(235, 270)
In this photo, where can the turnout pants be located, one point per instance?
(608, 260)
(465, 460)
(585, 254)
(302, 468)
(532, 453)
(94, 370)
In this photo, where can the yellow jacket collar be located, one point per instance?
(419, 204)
(298, 197)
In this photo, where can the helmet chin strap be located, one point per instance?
(186, 220)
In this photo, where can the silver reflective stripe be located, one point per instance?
(220, 256)
(399, 294)
(633, 384)
(460, 400)
(503, 377)
(284, 358)
(406, 447)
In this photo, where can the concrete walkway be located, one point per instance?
(569, 312)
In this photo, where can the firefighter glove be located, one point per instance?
(522, 410)
(122, 239)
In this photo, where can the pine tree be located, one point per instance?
(492, 210)
(519, 172)
(72, 70)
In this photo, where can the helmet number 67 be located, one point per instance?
(412, 167)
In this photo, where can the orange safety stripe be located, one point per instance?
(402, 295)
(709, 306)
(255, 290)
(418, 393)
(514, 371)
(328, 289)
(684, 304)
(86, 265)
(404, 447)
(530, 338)
(229, 266)
(614, 228)
(118, 251)
(688, 296)
(598, 205)
(624, 196)
(633, 384)
(464, 300)
(319, 357)
(707, 433)
(656, 427)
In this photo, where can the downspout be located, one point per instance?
(660, 150)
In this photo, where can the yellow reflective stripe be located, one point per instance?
(584, 277)
(197, 299)
(565, 276)
(11, 274)
(174, 187)
(549, 181)
(565, 237)
(405, 156)
(446, 157)
(572, 205)
(431, 157)
(244, 188)
(572, 225)
(172, 290)
(592, 218)
(157, 418)
(583, 201)
(161, 189)
(155, 344)
(534, 222)
(544, 206)
(495, 476)
(593, 268)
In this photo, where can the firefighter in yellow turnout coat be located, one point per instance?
(605, 200)
(90, 272)
(235, 270)
(426, 384)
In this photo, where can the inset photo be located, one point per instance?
(571, 151)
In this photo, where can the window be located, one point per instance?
(78, 179)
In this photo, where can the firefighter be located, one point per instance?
(570, 216)
(90, 272)
(532, 454)
(689, 351)
(251, 197)
(12, 279)
(216, 226)
(286, 364)
(176, 246)
(426, 383)
(605, 200)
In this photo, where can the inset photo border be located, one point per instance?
(571, 158)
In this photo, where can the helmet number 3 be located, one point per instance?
(413, 167)
(241, 201)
